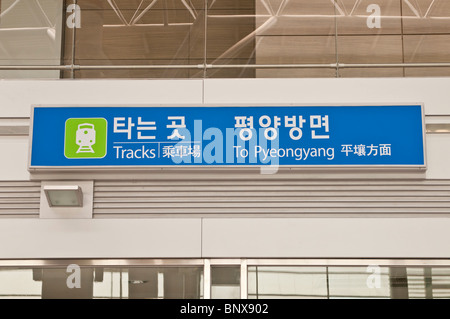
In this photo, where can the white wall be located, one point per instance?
(17, 96)
(371, 237)
(433, 92)
(225, 238)
(116, 238)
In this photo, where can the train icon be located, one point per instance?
(85, 138)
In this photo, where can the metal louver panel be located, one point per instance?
(270, 197)
(19, 199)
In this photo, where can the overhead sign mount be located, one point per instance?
(70, 137)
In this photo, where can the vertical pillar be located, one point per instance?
(244, 281)
(207, 279)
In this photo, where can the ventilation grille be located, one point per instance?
(257, 198)
(114, 199)
(19, 199)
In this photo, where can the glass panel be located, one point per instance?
(140, 33)
(270, 33)
(19, 283)
(103, 283)
(287, 282)
(31, 33)
(348, 282)
(426, 26)
(56, 284)
(296, 50)
(438, 281)
(229, 36)
(164, 283)
(425, 49)
(369, 33)
(263, 282)
(370, 49)
(354, 282)
(416, 283)
(426, 16)
(360, 17)
(110, 283)
(295, 32)
(225, 282)
(174, 39)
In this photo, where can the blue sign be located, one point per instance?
(293, 136)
